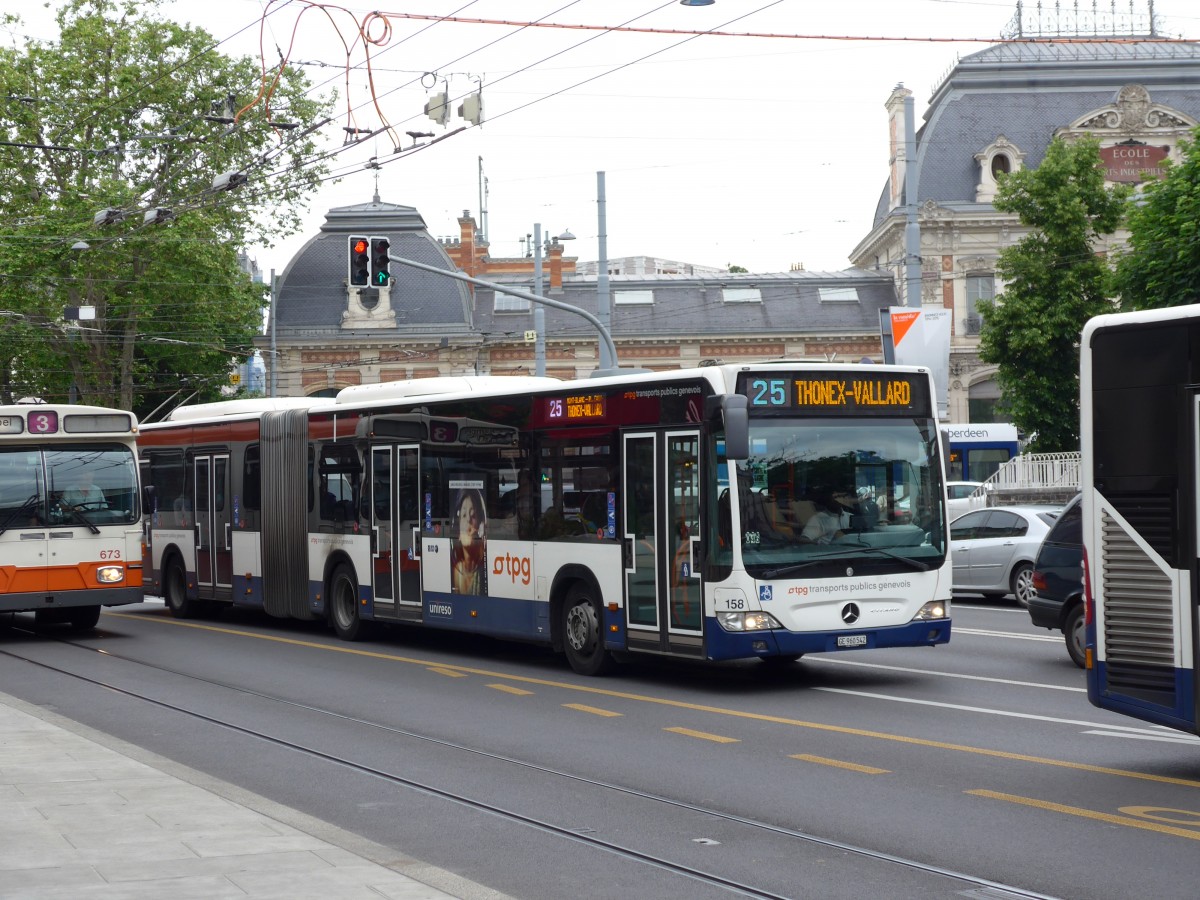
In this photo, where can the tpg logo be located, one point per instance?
(515, 566)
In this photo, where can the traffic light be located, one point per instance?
(360, 260)
(380, 277)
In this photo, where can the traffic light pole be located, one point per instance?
(609, 346)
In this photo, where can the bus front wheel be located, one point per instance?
(175, 591)
(84, 618)
(343, 605)
(583, 640)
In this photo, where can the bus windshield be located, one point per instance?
(69, 484)
(836, 491)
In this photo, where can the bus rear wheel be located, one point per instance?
(175, 591)
(583, 640)
(343, 605)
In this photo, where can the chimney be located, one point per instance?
(896, 161)
(555, 259)
(467, 260)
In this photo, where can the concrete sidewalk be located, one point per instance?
(84, 815)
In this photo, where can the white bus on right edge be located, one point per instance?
(1140, 430)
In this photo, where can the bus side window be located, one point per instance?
(340, 480)
(251, 479)
(167, 476)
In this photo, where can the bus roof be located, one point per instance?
(241, 407)
(447, 384)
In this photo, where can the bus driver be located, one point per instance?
(85, 494)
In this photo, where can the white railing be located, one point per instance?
(1030, 474)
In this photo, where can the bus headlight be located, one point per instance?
(934, 609)
(747, 621)
(110, 574)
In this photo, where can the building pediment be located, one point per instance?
(1132, 113)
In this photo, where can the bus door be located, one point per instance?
(25, 538)
(661, 491)
(395, 524)
(214, 553)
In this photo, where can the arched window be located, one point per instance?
(1000, 158)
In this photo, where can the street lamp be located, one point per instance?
(697, 2)
(539, 311)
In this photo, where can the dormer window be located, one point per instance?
(995, 161)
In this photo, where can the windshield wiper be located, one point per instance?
(23, 510)
(796, 567)
(835, 554)
(78, 514)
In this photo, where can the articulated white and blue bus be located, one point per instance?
(674, 513)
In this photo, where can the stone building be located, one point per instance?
(327, 334)
(995, 112)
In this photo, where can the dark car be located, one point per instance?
(1057, 601)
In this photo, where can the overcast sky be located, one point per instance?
(764, 152)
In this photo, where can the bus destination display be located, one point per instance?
(841, 392)
(580, 408)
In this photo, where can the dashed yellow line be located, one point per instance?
(704, 735)
(674, 704)
(1127, 821)
(509, 689)
(840, 764)
(594, 710)
(449, 673)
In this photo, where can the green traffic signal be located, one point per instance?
(380, 276)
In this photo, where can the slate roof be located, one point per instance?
(685, 306)
(1027, 90)
(311, 295)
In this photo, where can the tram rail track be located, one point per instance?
(967, 885)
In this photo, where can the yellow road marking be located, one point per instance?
(704, 735)
(449, 673)
(595, 711)
(1127, 821)
(509, 689)
(854, 767)
(674, 704)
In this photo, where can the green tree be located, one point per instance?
(131, 113)
(1053, 283)
(1162, 264)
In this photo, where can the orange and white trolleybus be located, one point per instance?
(70, 516)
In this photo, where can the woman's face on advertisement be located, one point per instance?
(468, 519)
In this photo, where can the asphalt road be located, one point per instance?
(871, 773)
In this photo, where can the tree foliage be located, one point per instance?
(1162, 265)
(131, 113)
(1053, 283)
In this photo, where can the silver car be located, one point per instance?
(993, 550)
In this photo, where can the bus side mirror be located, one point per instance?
(149, 498)
(733, 412)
